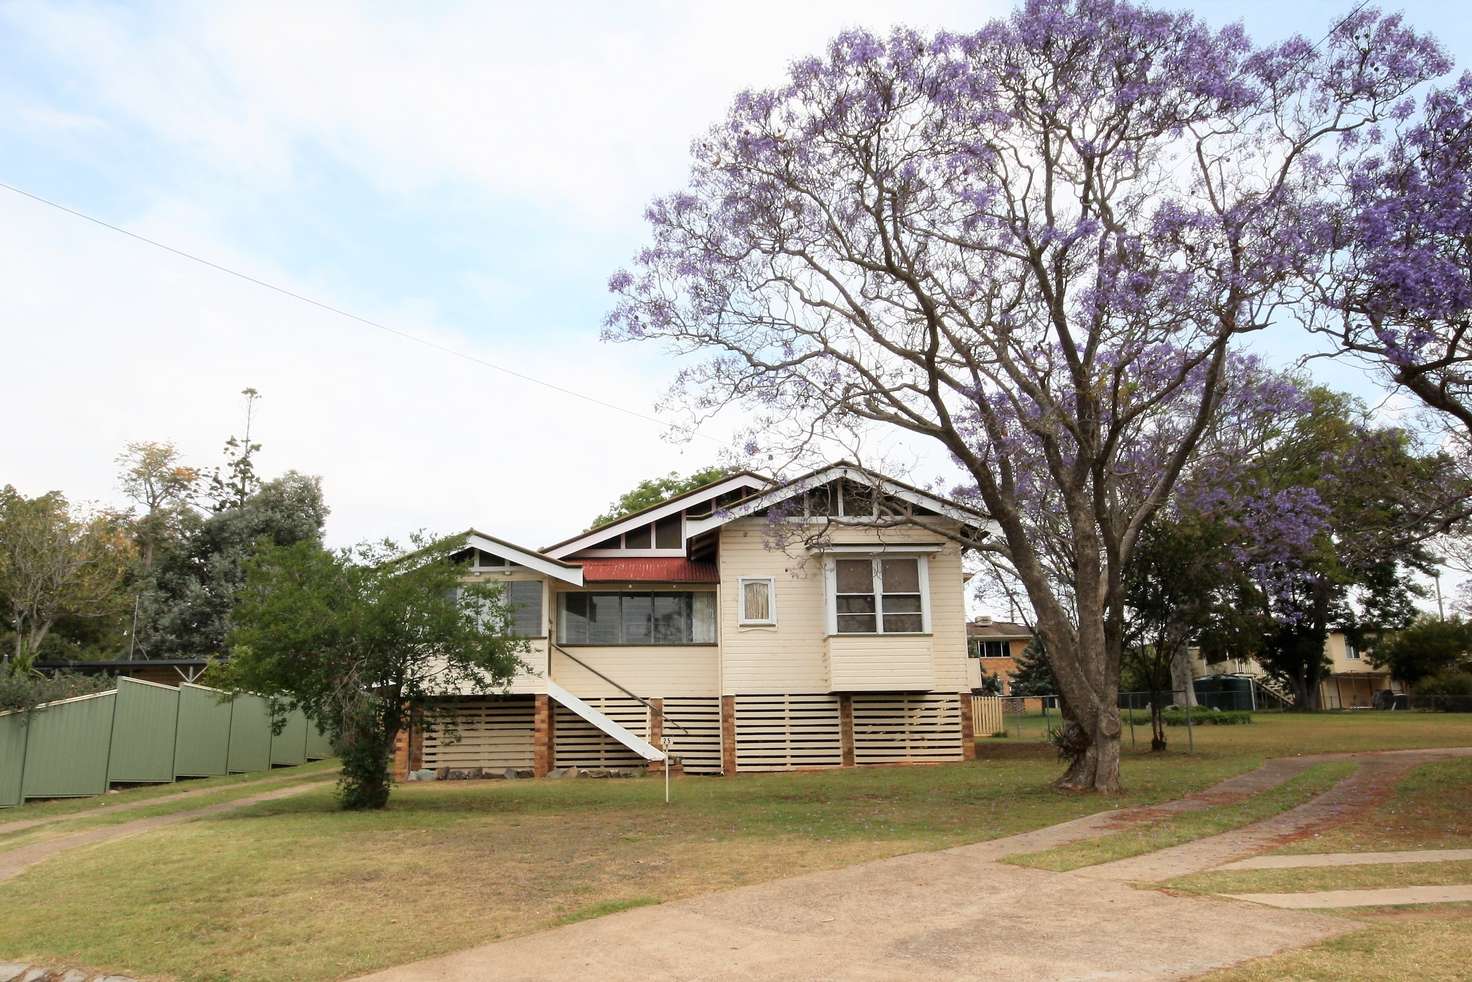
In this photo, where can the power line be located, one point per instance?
(303, 298)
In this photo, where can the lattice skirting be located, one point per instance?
(493, 732)
(782, 732)
(901, 727)
(579, 743)
(698, 744)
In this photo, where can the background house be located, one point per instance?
(993, 647)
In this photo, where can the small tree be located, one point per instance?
(363, 641)
(1034, 676)
(55, 565)
(1427, 647)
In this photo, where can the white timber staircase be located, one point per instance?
(636, 743)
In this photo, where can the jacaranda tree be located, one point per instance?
(1396, 289)
(1034, 245)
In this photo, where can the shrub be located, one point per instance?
(1204, 716)
(1451, 682)
(22, 690)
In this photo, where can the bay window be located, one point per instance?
(879, 595)
(665, 617)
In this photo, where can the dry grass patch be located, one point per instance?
(1306, 880)
(1430, 809)
(1188, 826)
(1428, 948)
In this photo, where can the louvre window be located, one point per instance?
(662, 618)
(524, 597)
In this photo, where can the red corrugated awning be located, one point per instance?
(657, 569)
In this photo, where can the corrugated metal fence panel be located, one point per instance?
(13, 731)
(66, 748)
(290, 745)
(250, 735)
(143, 733)
(202, 747)
(319, 746)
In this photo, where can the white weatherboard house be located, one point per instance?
(694, 625)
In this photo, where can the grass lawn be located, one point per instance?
(1431, 809)
(1415, 946)
(63, 807)
(1368, 877)
(295, 888)
(1185, 827)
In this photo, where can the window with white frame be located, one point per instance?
(879, 595)
(673, 617)
(758, 600)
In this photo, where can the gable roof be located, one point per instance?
(832, 472)
(741, 480)
(530, 558)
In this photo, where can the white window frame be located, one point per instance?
(742, 619)
(830, 576)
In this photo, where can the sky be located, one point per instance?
(467, 174)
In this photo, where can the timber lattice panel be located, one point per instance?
(698, 745)
(579, 743)
(783, 732)
(906, 727)
(493, 733)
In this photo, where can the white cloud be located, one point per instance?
(587, 105)
(108, 341)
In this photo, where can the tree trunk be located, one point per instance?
(1181, 679)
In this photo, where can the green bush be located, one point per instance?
(1451, 682)
(1203, 716)
(22, 689)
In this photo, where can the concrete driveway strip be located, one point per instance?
(1386, 897)
(953, 914)
(1310, 859)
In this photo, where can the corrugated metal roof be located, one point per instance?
(654, 569)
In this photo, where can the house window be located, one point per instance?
(668, 617)
(524, 597)
(1350, 651)
(879, 596)
(758, 600)
(523, 600)
(988, 649)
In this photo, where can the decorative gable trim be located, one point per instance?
(586, 540)
(758, 502)
(530, 558)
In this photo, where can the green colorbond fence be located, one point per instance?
(13, 732)
(318, 745)
(250, 735)
(67, 746)
(289, 747)
(144, 724)
(202, 747)
(144, 733)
